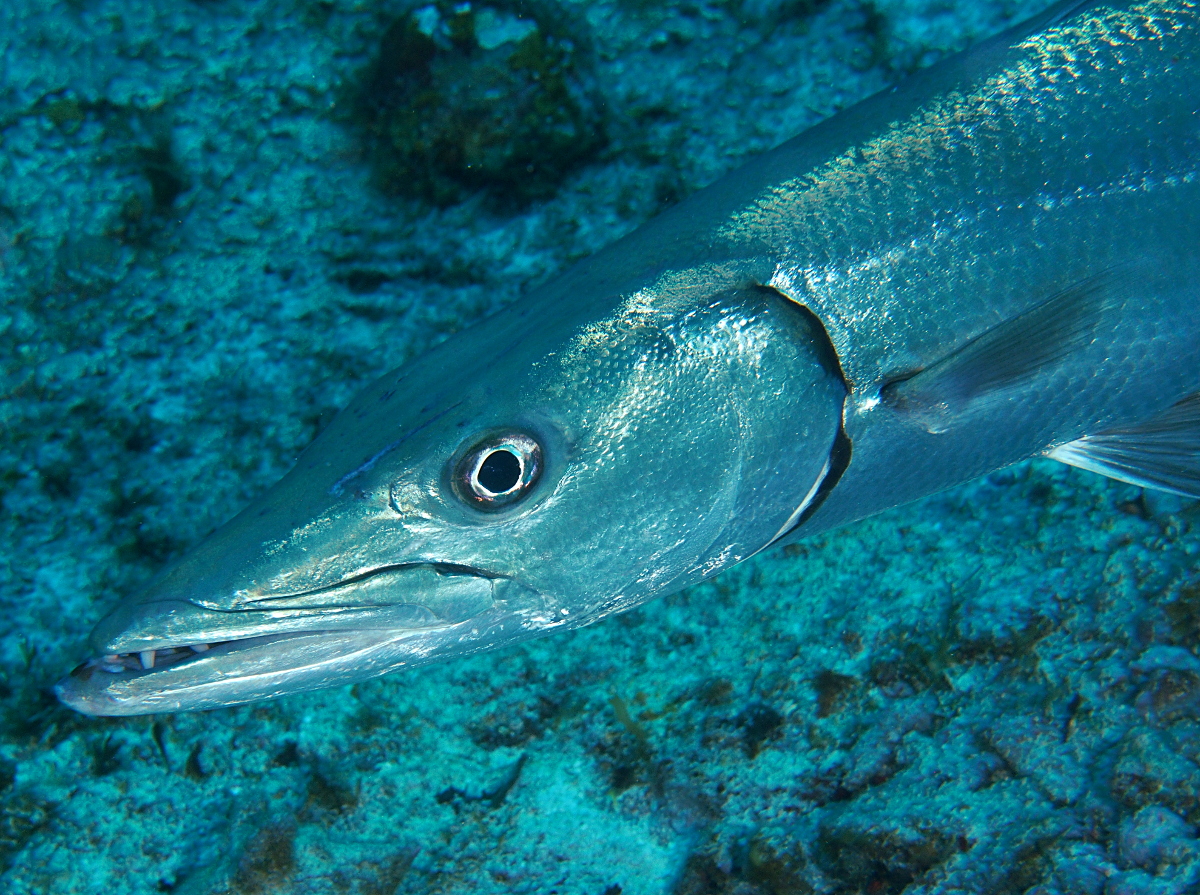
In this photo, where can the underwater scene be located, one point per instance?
(220, 220)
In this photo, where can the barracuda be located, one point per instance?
(996, 260)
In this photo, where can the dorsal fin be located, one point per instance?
(1162, 453)
(1011, 353)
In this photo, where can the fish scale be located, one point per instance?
(1094, 167)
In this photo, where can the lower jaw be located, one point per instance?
(235, 672)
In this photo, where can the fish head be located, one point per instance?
(551, 465)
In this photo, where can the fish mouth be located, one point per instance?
(158, 655)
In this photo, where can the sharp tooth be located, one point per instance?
(199, 647)
(147, 657)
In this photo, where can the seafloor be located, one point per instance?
(220, 218)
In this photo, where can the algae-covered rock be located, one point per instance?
(473, 98)
(1155, 838)
(883, 859)
(1151, 770)
(777, 868)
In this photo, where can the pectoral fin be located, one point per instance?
(1162, 453)
(1012, 353)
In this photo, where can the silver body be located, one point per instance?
(765, 360)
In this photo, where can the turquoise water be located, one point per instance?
(215, 227)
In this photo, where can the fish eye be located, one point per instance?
(498, 471)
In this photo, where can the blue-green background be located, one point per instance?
(996, 690)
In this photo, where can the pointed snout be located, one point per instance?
(154, 653)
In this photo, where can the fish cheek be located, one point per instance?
(655, 464)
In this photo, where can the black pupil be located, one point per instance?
(500, 471)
